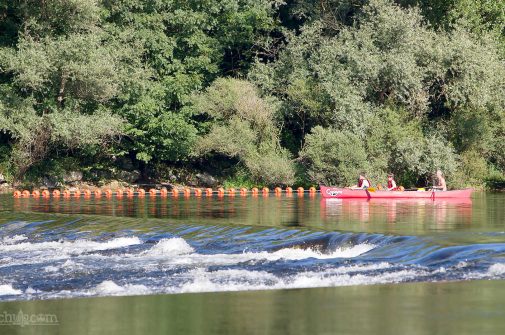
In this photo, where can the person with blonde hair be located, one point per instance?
(439, 183)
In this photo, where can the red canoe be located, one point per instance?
(345, 193)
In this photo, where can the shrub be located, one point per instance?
(243, 126)
(333, 157)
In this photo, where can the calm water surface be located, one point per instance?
(68, 248)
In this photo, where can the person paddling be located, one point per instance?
(391, 183)
(440, 182)
(363, 183)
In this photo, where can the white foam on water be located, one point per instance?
(244, 280)
(68, 247)
(170, 247)
(109, 287)
(296, 253)
(13, 239)
(186, 254)
(6, 289)
(496, 269)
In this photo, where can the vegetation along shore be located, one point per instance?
(251, 93)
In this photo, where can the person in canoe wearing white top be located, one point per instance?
(363, 183)
(439, 184)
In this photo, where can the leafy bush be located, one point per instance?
(243, 126)
(333, 157)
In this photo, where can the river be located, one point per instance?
(255, 264)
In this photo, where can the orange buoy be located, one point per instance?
(66, 193)
(119, 193)
(25, 194)
(175, 192)
(142, 192)
(108, 193)
(16, 194)
(87, 193)
(289, 190)
(129, 193)
(243, 191)
(198, 192)
(231, 192)
(36, 194)
(152, 192)
(45, 194)
(187, 192)
(254, 191)
(77, 194)
(56, 193)
(300, 190)
(98, 193)
(220, 192)
(163, 192)
(265, 191)
(312, 190)
(208, 192)
(278, 191)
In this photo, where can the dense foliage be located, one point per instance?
(261, 91)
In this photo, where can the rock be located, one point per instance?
(129, 176)
(50, 182)
(114, 185)
(72, 176)
(168, 186)
(205, 179)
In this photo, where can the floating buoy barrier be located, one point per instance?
(153, 193)
(278, 191)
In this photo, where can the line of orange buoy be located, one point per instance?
(187, 192)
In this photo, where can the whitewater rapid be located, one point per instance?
(42, 265)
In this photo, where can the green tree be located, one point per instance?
(61, 75)
(243, 126)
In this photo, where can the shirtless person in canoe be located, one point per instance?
(439, 184)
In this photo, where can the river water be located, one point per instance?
(68, 248)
